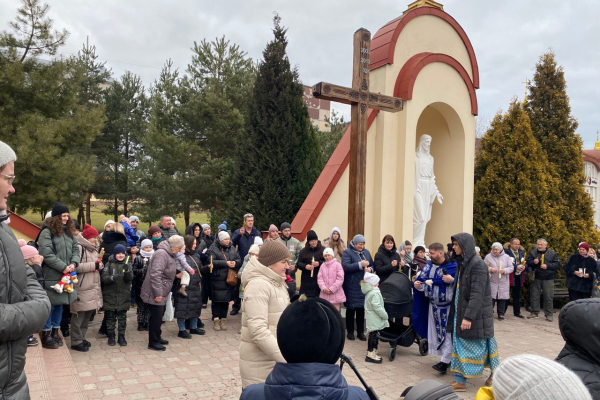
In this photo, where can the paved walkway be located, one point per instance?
(206, 367)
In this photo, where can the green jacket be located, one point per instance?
(58, 252)
(117, 277)
(377, 317)
(294, 248)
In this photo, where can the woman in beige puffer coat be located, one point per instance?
(265, 298)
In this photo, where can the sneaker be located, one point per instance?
(458, 387)
(156, 347)
(533, 316)
(184, 335)
(182, 291)
(350, 336)
(197, 331)
(217, 324)
(372, 357)
(80, 347)
(32, 341)
(550, 318)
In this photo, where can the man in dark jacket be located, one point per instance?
(24, 305)
(578, 323)
(243, 238)
(311, 371)
(167, 228)
(517, 277)
(544, 262)
(471, 317)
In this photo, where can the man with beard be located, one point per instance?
(436, 282)
(293, 245)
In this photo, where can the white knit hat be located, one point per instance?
(371, 278)
(329, 251)
(110, 221)
(531, 377)
(7, 154)
(254, 249)
(223, 235)
(258, 240)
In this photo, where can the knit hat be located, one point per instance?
(146, 242)
(531, 377)
(223, 235)
(176, 241)
(110, 221)
(28, 251)
(418, 249)
(59, 209)
(153, 229)
(119, 249)
(133, 218)
(173, 221)
(311, 235)
(335, 229)
(254, 249)
(77, 226)
(223, 226)
(358, 239)
(584, 245)
(329, 251)
(371, 278)
(310, 330)
(204, 226)
(273, 228)
(285, 225)
(89, 232)
(6, 154)
(271, 252)
(258, 240)
(496, 245)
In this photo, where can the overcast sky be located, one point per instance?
(508, 37)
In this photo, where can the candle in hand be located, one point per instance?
(542, 259)
(500, 270)
(211, 264)
(313, 267)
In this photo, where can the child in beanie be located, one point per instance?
(331, 279)
(34, 260)
(377, 317)
(140, 268)
(116, 293)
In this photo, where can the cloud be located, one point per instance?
(508, 38)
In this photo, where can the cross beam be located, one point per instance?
(360, 99)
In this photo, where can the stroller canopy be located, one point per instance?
(397, 289)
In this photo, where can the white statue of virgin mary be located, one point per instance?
(426, 190)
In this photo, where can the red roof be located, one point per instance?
(22, 225)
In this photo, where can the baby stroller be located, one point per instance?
(397, 300)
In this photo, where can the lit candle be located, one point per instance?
(312, 270)
(211, 264)
(500, 269)
(542, 259)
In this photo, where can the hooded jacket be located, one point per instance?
(376, 316)
(265, 298)
(189, 231)
(89, 293)
(474, 294)
(331, 276)
(24, 309)
(160, 275)
(110, 240)
(578, 323)
(327, 243)
(383, 262)
(304, 381)
(353, 274)
(220, 253)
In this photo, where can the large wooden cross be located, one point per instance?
(361, 99)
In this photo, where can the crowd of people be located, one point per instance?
(72, 274)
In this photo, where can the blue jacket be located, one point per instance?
(353, 274)
(304, 381)
(132, 238)
(243, 242)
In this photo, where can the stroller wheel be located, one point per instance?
(392, 355)
(423, 347)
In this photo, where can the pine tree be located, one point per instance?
(554, 127)
(515, 186)
(330, 139)
(279, 159)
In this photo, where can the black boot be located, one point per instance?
(184, 335)
(122, 341)
(197, 331)
(80, 347)
(361, 337)
(111, 339)
(65, 331)
(441, 367)
(56, 336)
(140, 327)
(48, 341)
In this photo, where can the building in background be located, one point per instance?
(591, 171)
(318, 110)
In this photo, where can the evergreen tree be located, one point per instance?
(120, 146)
(330, 139)
(279, 159)
(41, 116)
(554, 127)
(515, 187)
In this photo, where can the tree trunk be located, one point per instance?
(186, 215)
(88, 209)
(116, 210)
(80, 216)
(125, 207)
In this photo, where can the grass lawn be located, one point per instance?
(99, 218)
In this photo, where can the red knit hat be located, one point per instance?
(89, 232)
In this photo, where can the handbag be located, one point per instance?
(232, 277)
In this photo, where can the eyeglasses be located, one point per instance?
(9, 178)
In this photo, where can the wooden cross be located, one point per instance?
(360, 99)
